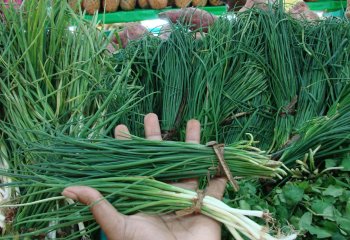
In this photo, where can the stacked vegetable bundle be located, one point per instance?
(263, 74)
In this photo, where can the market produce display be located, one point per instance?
(271, 90)
(95, 6)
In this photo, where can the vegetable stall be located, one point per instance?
(270, 87)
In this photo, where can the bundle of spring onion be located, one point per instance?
(42, 210)
(323, 137)
(107, 164)
(105, 157)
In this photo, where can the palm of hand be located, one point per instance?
(140, 226)
(171, 227)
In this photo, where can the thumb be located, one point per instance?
(111, 221)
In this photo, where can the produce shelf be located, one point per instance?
(137, 15)
(145, 14)
(327, 5)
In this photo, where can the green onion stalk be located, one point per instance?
(67, 156)
(6, 193)
(338, 65)
(283, 71)
(54, 75)
(226, 77)
(38, 207)
(173, 71)
(143, 55)
(322, 137)
(314, 79)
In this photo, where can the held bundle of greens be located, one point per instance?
(66, 156)
(44, 211)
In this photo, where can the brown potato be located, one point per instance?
(199, 3)
(158, 4)
(182, 3)
(91, 6)
(216, 2)
(127, 4)
(110, 5)
(75, 4)
(143, 3)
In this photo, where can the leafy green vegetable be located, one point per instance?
(292, 194)
(334, 191)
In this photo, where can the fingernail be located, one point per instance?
(69, 194)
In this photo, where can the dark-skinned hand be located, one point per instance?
(149, 227)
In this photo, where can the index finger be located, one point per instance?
(121, 132)
(152, 128)
(193, 131)
(193, 135)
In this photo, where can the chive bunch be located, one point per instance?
(73, 157)
(262, 72)
(37, 213)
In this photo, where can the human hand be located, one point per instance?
(141, 226)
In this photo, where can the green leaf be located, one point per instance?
(305, 221)
(293, 194)
(346, 164)
(334, 191)
(345, 197)
(338, 236)
(295, 221)
(344, 223)
(304, 185)
(318, 206)
(244, 205)
(347, 208)
(329, 226)
(282, 212)
(307, 198)
(329, 212)
(319, 232)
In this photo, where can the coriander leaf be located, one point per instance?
(334, 191)
(345, 197)
(282, 213)
(344, 223)
(304, 185)
(318, 206)
(338, 236)
(345, 164)
(347, 208)
(293, 194)
(305, 221)
(329, 226)
(319, 232)
(244, 205)
(329, 212)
